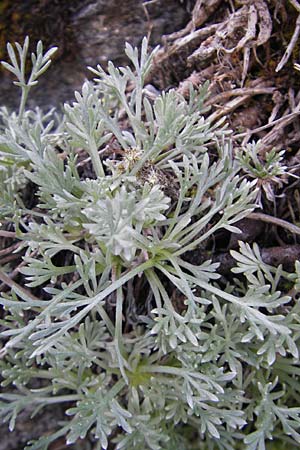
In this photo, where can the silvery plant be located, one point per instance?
(142, 348)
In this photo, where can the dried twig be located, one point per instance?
(227, 29)
(149, 21)
(180, 44)
(266, 126)
(272, 136)
(4, 233)
(276, 221)
(9, 258)
(238, 92)
(13, 285)
(278, 100)
(251, 29)
(290, 47)
(246, 61)
(265, 23)
(228, 108)
(241, 100)
(9, 249)
(200, 14)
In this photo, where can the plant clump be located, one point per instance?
(145, 349)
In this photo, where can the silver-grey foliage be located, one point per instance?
(184, 361)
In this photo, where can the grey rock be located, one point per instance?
(87, 33)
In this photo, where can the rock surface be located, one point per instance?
(86, 33)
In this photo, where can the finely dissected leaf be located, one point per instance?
(146, 348)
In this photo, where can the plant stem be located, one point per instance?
(25, 91)
(93, 151)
